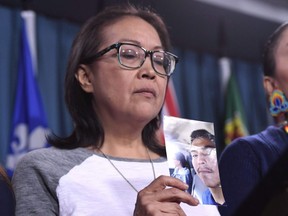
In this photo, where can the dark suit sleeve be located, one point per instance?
(270, 197)
(239, 172)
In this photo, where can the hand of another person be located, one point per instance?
(162, 197)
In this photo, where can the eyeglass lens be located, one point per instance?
(132, 56)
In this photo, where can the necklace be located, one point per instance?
(151, 162)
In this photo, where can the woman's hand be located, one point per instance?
(162, 197)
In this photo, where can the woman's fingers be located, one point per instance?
(176, 195)
(172, 209)
(162, 197)
(170, 190)
(162, 182)
(159, 208)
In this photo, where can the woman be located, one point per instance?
(115, 84)
(182, 170)
(246, 161)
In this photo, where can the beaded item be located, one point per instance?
(278, 103)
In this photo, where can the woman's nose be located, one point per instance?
(147, 70)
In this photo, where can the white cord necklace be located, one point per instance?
(106, 156)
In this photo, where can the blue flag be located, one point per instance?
(29, 126)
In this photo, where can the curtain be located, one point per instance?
(9, 43)
(197, 83)
(198, 88)
(196, 80)
(54, 39)
(250, 82)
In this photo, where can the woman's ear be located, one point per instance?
(269, 84)
(83, 78)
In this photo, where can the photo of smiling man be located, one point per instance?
(205, 164)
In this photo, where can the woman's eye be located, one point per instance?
(159, 61)
(129, 54)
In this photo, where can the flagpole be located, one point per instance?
(29, 17)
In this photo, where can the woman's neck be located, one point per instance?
(281, 120)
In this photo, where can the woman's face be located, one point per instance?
(281, 59)
(127, 95)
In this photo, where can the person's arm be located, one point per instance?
(163, 195)
(239, 173)
(33, 191)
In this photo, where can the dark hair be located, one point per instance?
(202, 133)
(180, 157)
(4, 177)
(88, 130)
(268, 62)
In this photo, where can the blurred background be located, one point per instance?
(219, 43)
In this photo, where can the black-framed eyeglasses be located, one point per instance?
(133, 56)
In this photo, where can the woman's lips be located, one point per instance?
(146, 91)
